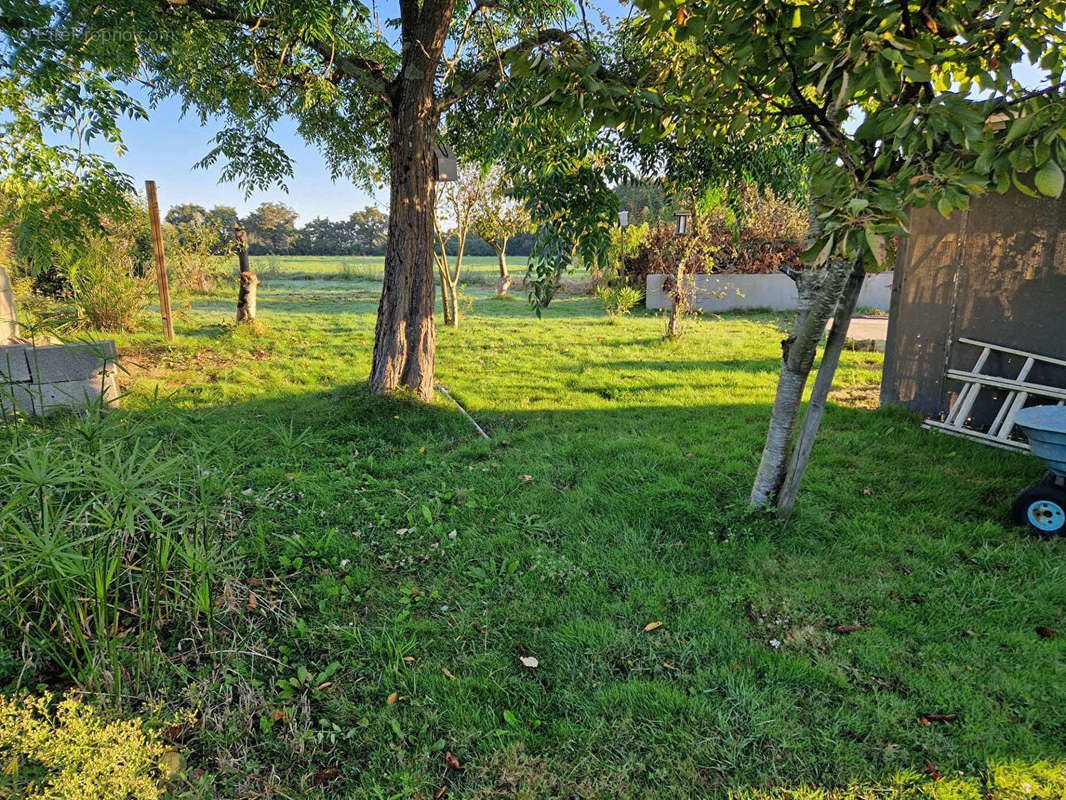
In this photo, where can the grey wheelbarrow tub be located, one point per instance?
(1045, 427)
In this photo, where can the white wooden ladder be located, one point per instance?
(1018, 389)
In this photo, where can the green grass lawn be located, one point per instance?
(476, 269)
(390, 540)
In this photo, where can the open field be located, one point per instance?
(390, 541)
(476, 269)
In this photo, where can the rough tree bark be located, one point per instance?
(247, 304)
(798, 358)
(405, 336)
(801, 454)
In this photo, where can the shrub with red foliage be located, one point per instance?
(770, 239)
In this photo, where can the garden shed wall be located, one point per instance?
(995, 273)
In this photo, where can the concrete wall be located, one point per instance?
(995, 273)
(39, 380)
(717, 293)
(9, 329)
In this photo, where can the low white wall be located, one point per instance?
(777, 292)
(9, 328)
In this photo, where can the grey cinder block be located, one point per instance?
(39, 380)
(70, 362)
(14, 367)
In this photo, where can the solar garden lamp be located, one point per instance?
(684, 223)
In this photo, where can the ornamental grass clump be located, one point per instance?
(618, 300)
(111, 550)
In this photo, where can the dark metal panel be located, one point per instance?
(996, 273)
(1012, 290)
(926, 272)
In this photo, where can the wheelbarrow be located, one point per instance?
(1042, 506)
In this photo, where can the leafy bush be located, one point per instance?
(110, 549)
(107, 281)
(618, 300)
(69, 752)
(762, 236)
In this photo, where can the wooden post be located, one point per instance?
(246, 293)
(160, 261)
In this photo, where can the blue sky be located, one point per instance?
(166, 148)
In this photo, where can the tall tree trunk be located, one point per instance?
(247, 306)
(504, 281)
(786, 497)
(405, 338)
(799, 352)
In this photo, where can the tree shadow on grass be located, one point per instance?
(788, 654)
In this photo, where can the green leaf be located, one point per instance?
(876, 243)
(797, 18)
(1019, 128)
(1049, 180)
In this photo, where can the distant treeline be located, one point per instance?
(272, 228)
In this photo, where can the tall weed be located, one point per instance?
(109, 286)
(112, 548)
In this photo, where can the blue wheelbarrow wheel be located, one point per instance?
(1041, 507)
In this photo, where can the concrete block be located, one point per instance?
(725, 292)
(14, 366)
(39, 380)
(101, 389)
(9, 328)
(16, 398)
(70, 362)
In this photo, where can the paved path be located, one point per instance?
(865, 329)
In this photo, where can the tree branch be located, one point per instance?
(488, 72)
(1038, 93)
(369, 74)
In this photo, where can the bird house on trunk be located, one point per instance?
(445, 167)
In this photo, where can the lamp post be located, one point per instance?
(623, 223)
(684, 223)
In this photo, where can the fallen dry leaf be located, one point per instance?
(392, 698)
(452, 761)
(526, 478)
(845, 629)
(171, 764)
(279, 715)
(440, 793)
(931, 769)
(1045, 633)
(253, 602)
(323, 776)
(447, 673)
(926, 719)
(529, 661)
(652, 626)
(409, 659)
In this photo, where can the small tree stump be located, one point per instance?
(246, 302)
